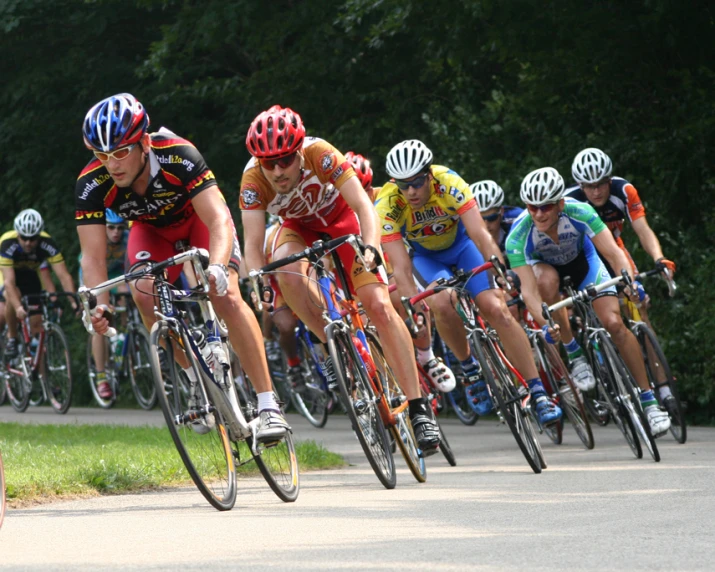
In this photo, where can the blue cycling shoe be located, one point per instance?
(479, 398)
(547, 411)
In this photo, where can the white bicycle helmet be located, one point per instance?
(542, 186)
(489, 195)
(28, 223)
(591, 165)
(408, 159)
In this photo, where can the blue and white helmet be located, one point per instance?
(591, 166)
(114, 122)
(542, 186)
(28, 223)
(112, 218)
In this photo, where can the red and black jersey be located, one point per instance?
(178, 173)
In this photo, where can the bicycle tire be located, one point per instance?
(458, 398)
(445, 447)
(402, 431)
(208, 457)
(2, 492)
(17, 387)
(138, 366)
(111, 374)
(569, 395)
(608, 393)
(633, 402)
(647, 338)
(592, 403)
(508, 401)
(427, 389)
(57, 375)
(312, 401)
(357, 394)
(3, 387)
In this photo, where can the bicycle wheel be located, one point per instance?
(402, 431)
(507, 399)
(609, 398)
(631, 398)
(593, 404)
(457, 398)
(139, 366)
(56, 369)
(109, 372)
(569, 396)
(312, 399)
(207, 457)
(659, 374)
(357, 394)
(2, 492)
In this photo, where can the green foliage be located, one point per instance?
(496, 89)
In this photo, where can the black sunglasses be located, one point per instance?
(29, 238)
(415, 183)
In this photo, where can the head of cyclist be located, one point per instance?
(542, 190)
(275, 138)
(490, 198)
(591, 169)
(115, 129)
(408, 163)
(115, 225)
(28, 225)
(362, 168)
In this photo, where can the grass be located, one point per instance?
(47, 462)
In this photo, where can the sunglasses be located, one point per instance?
(119, 154)
(543, 208)
(415, 183)
(116, 227)
(29, 238)
(491, 217)
(282, 162)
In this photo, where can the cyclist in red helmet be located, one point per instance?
(312, 186)
(162, 183)
(362, 169)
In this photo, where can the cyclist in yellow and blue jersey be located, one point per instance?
(433, 209)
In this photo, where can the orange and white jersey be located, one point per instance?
(315, 201)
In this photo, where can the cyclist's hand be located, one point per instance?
(101, 318)
(372, 258)
(218, 279)
(267, 295)
(632, 293)
(669, 264)
(20, 312)
(552, 335)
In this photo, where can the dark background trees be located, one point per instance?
(495, 88)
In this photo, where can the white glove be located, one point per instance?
(220, 273)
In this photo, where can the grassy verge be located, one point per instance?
(46, 462)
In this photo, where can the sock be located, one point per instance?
(417, 406)
(469, 364)
(535, 387)
(294, 361)
(664, 391)
(573, 349)
(648, 399)
(424, 356)
(190, 373)
(101, 376)
(267, 400)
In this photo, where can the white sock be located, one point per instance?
(424, 356)
(267, 400)
(190, 373)
(664, 391)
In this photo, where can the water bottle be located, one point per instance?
(366, 357)
(204, 348)
(220, 360)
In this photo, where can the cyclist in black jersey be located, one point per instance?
(22, 252)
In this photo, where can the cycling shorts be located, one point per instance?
(585, 269)
(148, 243)
(28, 283)
(430, 265)
(347, 223)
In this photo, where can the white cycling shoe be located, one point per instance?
(658, 420)
(440, 375)
(582, 374)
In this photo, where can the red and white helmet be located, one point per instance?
(362, 168)
(275, 133)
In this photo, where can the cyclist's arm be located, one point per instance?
(530, 292)
(12, 293)
(93, 243)
(46, 279)
(213, 212)
(355, 196)
(254, 235)
(477, 231)
(60, 269)
(647, 237)
(606, 245)
(401, 267)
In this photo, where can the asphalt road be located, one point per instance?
(590, 510)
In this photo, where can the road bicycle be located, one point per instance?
(616, 390)
(374, 401)
(656, 364)
(505, 384)
(130, 361)
(457, 399)
(42, 370)
(436, 400)
(212, 423)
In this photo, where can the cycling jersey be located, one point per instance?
(177, 173)
(527, 245)
(434, 226)
(315, 201)
(13, 256)
(622, 203)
